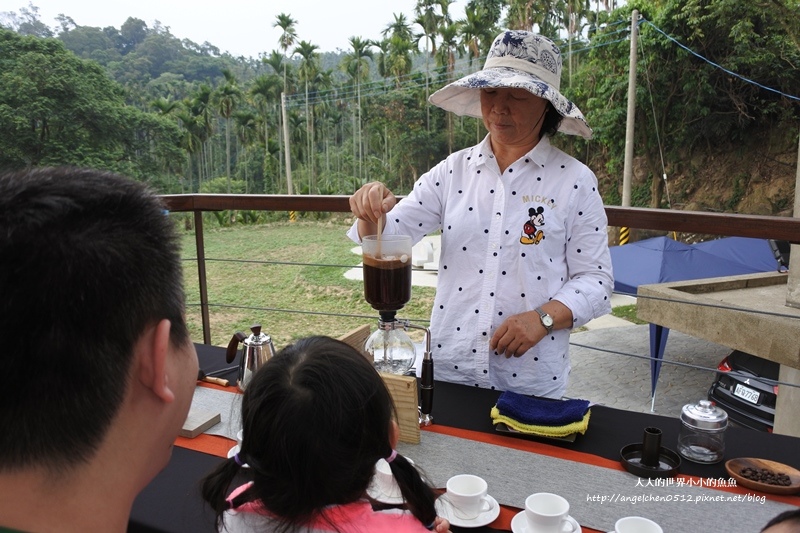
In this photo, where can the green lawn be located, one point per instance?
(285, 288)
(288, 289)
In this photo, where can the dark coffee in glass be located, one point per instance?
(387, 271)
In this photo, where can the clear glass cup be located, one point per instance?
(387, 271)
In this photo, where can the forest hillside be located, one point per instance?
(717, 100)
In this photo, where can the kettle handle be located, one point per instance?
(233, 345)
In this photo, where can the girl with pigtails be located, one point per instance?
(316, 418)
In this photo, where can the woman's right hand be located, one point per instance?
(370, 204)
(372, 201)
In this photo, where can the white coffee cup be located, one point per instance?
(546, 512)
(636, 524)
(239, 438)
(467, 496)
(384, 480)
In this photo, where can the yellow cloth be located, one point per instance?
(546, 431)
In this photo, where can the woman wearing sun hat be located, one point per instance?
(524, 255)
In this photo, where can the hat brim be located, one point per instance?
(462, 97)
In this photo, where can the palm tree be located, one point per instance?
(164, 106)
(576, 11)
(265, 90)
(399, 28)
(523, 14)
(191, 140)
(228, 97)
(398, 62)
(356, 65)
(381, 62)
(287, 38)
(247, 133)
(428, 20)
(276, 61)
(478, 30)
(309, 68)
(199, 106)
(446, 57)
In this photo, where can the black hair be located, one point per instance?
(88, 260)
(792, 517)
(316, 418)
(551, 122)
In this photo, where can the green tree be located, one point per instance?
(132, 32)
(309, 68)
(288, 37)
(682, 100)
(27, 22)
(57, 109)
(227, 98)
(428, 20)
(356, 64)
(398, 62)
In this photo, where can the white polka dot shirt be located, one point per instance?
(510, 243)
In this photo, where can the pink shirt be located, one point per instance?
(356, 517)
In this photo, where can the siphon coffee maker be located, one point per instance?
(387, 288)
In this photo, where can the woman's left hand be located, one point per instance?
(517, 334)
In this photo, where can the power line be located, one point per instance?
(659, 30)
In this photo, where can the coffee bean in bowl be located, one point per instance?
(763, 475)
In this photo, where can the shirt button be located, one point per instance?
(494, 246)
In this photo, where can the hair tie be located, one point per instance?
(238, 460)
(391, 456)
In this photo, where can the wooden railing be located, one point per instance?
(756, 226)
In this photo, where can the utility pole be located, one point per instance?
(627, 172)
(287, 157)
(286, 154)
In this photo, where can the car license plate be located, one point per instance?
(746, 393)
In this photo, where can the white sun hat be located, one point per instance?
(521, 60)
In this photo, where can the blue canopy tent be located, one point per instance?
(661, 260)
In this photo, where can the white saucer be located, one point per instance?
(520, 525)
(233, 451)
(377, 494)
(445, 510)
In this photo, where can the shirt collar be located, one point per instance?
(539, 154)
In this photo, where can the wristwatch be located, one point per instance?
(547, 320)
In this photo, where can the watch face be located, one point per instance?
(547, 320)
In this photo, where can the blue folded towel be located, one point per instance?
(541, 412)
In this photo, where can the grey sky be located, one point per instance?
(241, 27)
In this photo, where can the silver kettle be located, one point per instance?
(257, 349)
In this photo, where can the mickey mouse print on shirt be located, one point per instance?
(532, 234)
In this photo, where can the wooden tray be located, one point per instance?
(735, 466)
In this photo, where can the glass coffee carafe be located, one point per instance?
(387, 288)
(387, 272)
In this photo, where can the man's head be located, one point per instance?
(786, 522)
(89, 270)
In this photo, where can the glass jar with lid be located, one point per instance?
(702, 434)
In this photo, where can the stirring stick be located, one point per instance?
(378, 254)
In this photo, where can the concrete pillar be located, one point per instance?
(786, 420)
(793, 283)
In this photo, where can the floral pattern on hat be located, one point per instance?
(525, 45)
